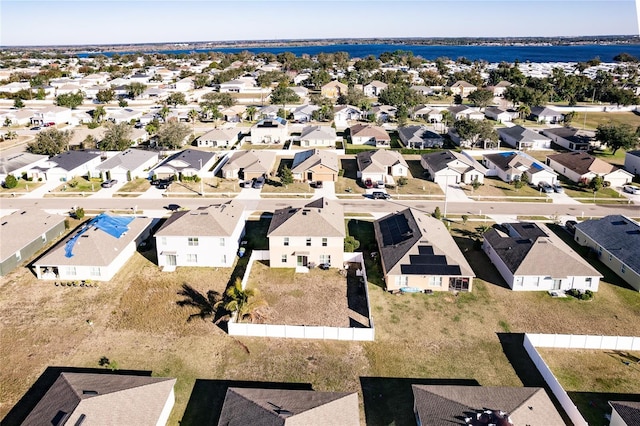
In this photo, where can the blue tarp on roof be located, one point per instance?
(112, 225)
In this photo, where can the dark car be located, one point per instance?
(379, 195)
(108, 183)
(571, 226)
(163, 184)
(368, 183)
(317, 184)
(259, 182)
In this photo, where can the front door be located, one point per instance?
(302, 260)
(557, 284)
(171, 259)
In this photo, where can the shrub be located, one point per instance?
(437, 214)
(10, 181)
(351, 244)
(79, 213)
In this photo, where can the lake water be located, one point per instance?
(488, 53)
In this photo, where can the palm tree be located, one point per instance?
(524, 111)
(243, 302)
(193, 114)
(251, 112)
(209, 305)
(164, 112)
(99, 113)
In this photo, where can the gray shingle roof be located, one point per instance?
(629, 411)
(440, 160)
(253, 161)
(130, 159)
(16, 161)
(22, 227)
(419, 134)
(319, 218)
(306, 160)
(618, 235)
(318, 132)
(582, 163)
(70, 160)
(102, 399)
(189, 157)
(450, 405)
(540, 111)
(521, 134)
(378, 160)
(218, 220)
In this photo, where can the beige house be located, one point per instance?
(418, 254)
(334, 89)
(582, 167)
(308, 236)
(249, 164)
(318, 136)
(218, 138)
(462, 88)
(381, 165)
(315, 165)
(367, 134)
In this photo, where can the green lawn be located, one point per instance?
(136, 185)
(591, 120)
(80, 184)
(23, 186)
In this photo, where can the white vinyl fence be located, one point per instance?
(571, 341)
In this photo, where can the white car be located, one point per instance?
(631, 189)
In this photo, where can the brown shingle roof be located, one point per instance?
(582, 163)
(319, 218)
(216, 220)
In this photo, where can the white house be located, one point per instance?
(582, 167)
(207, 236)
(571, 138)
(218, 138)
(190, 162)
(304, 113)
(510, 166)
(127, 165)
(95, 252)
(275, 131)
(546, 115)
(532, 258)
(64, 167)
(313, 136)
(374, 88)
(451, 167)
(499, 115)
(367, 134)
(521, 138)
(19, 163)
(249, 164)
(632, 162)
(51, 114)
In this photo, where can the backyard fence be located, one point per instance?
(303, 331)
(571, 341)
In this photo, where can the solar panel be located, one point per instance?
(416, 259)
(430, 269)
(425, 250)
(395, 229)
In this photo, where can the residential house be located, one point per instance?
(521, 138)
(344, 113)
(307, 236)
(499, 89)
(632, 162)
(318, 136)
(127, 165)
(157, 93)
(368, 134)
(269, 112)
(96, 251)
(301, 92)
(270, 131)
(182, 85)
(315, 165)
(499, 115)
(462, 88)
(616, 240)
(219, 138)
(19, 163)
(510, 166)
(240, 85)
(582, 167)
(207, 236)
(419, 137)
(381, 166)
(418, 254)
(64, 167)
(250, 164)
(104, 399)
(624, 413)
(255, 406)
(190, 162)
(571, 138)
(373, 89)
(447, 167)
(383, 113)
(15, 86)
(334, 89)
(51, 114)
(547, 115)
(427, 113)
(531, 258)
(123, 115)
(446, 405)
(304, 113)
(23, 233)
(20, 117)
(460, 112)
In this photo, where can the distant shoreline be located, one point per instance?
(621, 40)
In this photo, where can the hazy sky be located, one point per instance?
(26, 22)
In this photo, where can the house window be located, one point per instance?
(221, 242)
(18, 256)
(224, 258)
(286, 241)
(587, 282)
(308, 242)
(325, 258)
(163, 241)
(44, 238)
(324, 242)
(623, 269)
(435, 281)
(70, 270)
(402, 280)
(193, 241)
(284, 258)
(192, 258)
(95, 271)
(599, 251)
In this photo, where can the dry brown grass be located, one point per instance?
(315, 298)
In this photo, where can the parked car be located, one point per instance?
(631, 189)
(544, 186)
(163, 184)
(259, 182)
(36, 128)
(379, 195)
(317, 184)
(558, 188)
(571, 226)
(380, 184)
(368, 183)
(108, 183)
